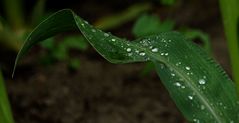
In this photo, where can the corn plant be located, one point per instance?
(198, 85)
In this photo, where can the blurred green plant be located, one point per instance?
(197, 84)
(5, 110)
(60, 51)
(166, 2)
(16, 25)
(230, 15)
(147, 25)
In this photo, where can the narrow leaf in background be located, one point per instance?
(230, 15)
(5, 110)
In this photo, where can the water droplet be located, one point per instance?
(202, 107)
(178, 84)
(106, 35)
(201, 81)
(130, 54)
(93, 30)
(142, 54)
(190, 97)
(113, 39)
(155, 50)
(86, 22)
(177, 64)
(187, 68)
(128, 49)
(196, 120)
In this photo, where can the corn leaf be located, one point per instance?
(200, 88)
(5, 110)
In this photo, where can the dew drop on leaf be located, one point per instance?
(155, 50)
(128, 49)
(177, 64)
(172, 74)
(178, 84)
(202, 107)
(187, 68)
(142, 54)
(190, 97)
(106, 35)
(130, 54)
(201, 81)
(93, 30)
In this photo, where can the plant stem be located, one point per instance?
(5, 110)
(230, 14)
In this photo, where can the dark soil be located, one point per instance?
(100, 92)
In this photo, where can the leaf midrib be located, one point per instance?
(186, 78)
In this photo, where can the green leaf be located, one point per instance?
(150, 24)
(168, 2)
(74, 63)
(200, 88)
(193, 34)
(230, 16)
(38, 12)
(75, 42)
(5, 110)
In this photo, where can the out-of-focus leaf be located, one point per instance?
(150, 24)
(74, 63)
(193, 34)
(5, 110)
(49, 43)
(167, 2)
(230, 16)
(200, 88)
(38, 12)
(75, 42)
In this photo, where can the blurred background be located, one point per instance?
(63, 80)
